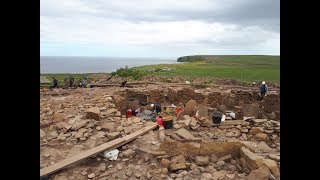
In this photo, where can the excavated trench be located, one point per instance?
(235, 100)
(238, 101)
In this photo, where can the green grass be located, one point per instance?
(129, 73)
(239, 67)
(245, 68)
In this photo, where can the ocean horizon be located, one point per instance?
(81, 64)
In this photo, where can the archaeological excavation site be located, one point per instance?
(160, 131)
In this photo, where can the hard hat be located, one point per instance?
(263, 82)
(152, 105)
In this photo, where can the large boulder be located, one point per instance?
(78, 125)
(206, 176)
(111, 111)
(202, 111)
(202, 160)
(178, 159)
(261, 136)
(109, 126)
(93, 113)
(176, 167)
(261, 173)
(222, 108)
(113, 135)
(80, 133)
(165, 162)
(190, 108)
(219, 174)
(255, 130)
(187, 120)
(58, 117)
(127, 153)
(253, 161)
(274, 157)
(42, 133)
(250, 110)
(265, 148)
(273, 167)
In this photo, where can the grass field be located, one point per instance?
(239, 67)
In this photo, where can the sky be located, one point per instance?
(159, 28)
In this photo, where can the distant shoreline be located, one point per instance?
(249, 68)
(82, 65)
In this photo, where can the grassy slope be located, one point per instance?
(240, 67)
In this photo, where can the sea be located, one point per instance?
(68, 64)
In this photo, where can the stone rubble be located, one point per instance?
(77, 120)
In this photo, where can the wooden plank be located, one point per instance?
(107, 146)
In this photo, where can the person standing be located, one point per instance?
(85, 81)
(263, 89)
(55, 83)
(66, 82)
(71, 80)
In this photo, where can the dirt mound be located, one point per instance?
(108, 79)
(97, 77)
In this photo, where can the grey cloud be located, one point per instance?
(263, 13)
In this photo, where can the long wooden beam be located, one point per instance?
(107, 146)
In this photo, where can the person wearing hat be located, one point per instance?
(263, 89)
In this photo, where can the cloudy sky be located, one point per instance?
(159, 28)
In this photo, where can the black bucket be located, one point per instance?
(168, 124)
(216, 118)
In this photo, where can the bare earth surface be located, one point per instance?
(76, 120)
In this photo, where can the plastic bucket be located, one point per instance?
(216, 118)
(167, 122)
